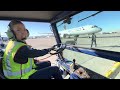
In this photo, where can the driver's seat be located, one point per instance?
(1, 69)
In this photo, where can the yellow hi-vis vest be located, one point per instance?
(13, 70)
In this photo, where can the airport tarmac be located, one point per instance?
(99, 65)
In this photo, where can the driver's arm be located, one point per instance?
(26, 52)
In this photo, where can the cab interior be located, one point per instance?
(53, 17)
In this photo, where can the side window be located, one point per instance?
(39, 34)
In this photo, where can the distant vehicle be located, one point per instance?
(5, 39)
(106, 32)
(88, 29)
(114, 32)
(1, 43)
(47, 35)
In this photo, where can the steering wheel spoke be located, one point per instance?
(58, 48)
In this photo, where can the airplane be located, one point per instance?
(46, 35)
(88, 29)
(5, 39)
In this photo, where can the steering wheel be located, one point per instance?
(58, 48)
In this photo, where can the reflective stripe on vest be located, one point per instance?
(9, 73)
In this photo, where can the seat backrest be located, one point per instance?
(1, 69)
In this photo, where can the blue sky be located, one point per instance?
(108, 21)
(34, 27)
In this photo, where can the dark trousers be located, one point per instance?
(94, 42)
(46, 71)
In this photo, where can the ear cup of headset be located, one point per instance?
(10, 34)
(27, 33)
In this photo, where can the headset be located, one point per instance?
(11, 35)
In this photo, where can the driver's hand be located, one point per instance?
(52, 51)
(52, 48)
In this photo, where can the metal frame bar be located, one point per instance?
(25, 19)
(55, 31)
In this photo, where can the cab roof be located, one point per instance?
(37, 16)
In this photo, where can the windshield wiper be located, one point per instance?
(90, 16)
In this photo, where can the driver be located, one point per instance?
(18, 60)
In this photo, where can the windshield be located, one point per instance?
(92, 29)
